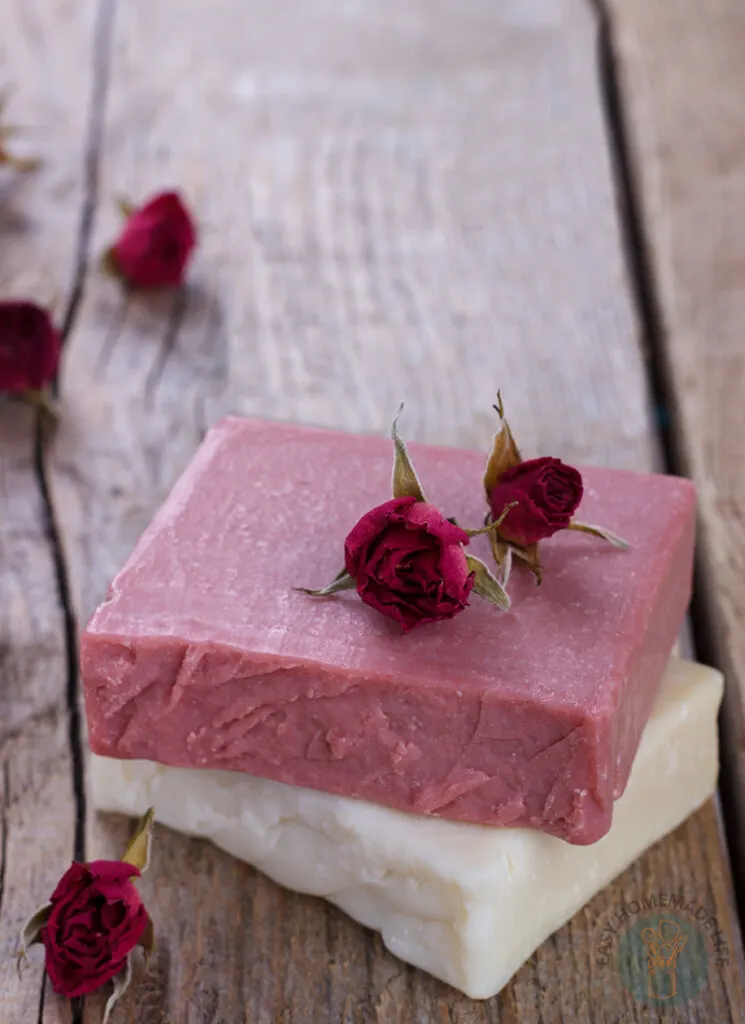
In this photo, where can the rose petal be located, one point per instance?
(75, 876)
(367, 530)
(429, 517)
(112, 871)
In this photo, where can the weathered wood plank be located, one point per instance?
(45, 66)
(36, 807)
(683, 79)
(397, 200)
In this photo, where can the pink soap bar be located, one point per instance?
(203, 655)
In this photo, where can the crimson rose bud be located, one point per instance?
(155, 244)
(29, 347)
(547, 492)
(408, 562)
(96, 920)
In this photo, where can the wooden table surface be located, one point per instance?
(419, 199)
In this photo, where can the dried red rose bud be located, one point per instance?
(93, 921)
(408, 562)
(155, 244)
(29, 347)
(530, 502)
(547, 492)
(97, 918)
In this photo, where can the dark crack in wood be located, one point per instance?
(4, 829)
(98, 95)
(631, 227)
(91, 171)
(62, 580)
(91, 165)
(42, 998)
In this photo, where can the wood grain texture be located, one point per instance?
(683, 79)
(396, 200)
(36, 814)
(38, 234)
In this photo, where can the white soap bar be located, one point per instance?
(465, 902)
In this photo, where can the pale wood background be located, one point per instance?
(397, 199)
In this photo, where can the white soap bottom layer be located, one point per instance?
(467, 903)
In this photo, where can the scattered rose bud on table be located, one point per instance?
(155, 244)
(29, 351)
(94, 920)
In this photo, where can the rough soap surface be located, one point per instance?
(468, 904)
(203, 656)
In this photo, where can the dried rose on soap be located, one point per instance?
(94, 920)
(155, 244)
(29, 348)
(547, 492)
(544, 494)
(406, 560)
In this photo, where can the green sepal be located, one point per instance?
(405, 483)
(39, 400)
(502, 552)
(138, 852)
(530, 556)
(486, 585)
(504, 454)
(108, 265)
(125, 207)
(599, 531)
(122, 982)
(493, 527)
(31, 931)
(342, 581)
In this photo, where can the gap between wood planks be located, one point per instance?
(643, 289)
(4, 801)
